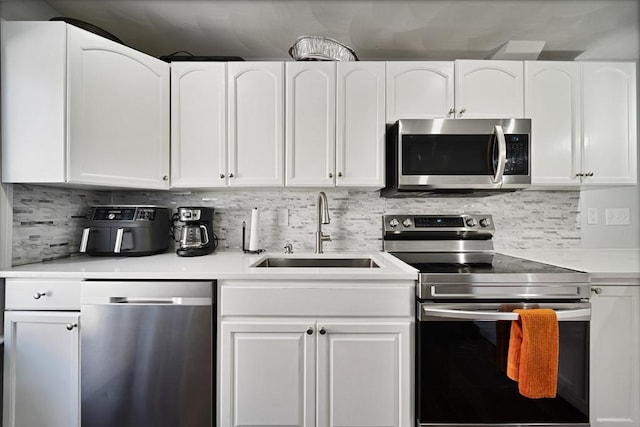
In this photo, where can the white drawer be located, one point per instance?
(340, 301)
(42, 294)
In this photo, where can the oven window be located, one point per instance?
(461, 375)
(447, 154)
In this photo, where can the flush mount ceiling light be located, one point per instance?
(519, 50)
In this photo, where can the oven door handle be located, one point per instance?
(457, 314)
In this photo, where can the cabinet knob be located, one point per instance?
(165, 178)
(339, 174)
(462, 110)
(70, 326)
(39, 295)
(330, 175)
(452, 111)
(589, 173)
(221, 176)
(230, 175)
(322, 331)
(310, 331)
(596, 291)
(579, 174)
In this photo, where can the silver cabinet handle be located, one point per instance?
(70, 326)
(39, 295)
(596, 290)
(85, 239)
(502, 154)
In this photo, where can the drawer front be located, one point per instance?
(42, 294)
(341, 301)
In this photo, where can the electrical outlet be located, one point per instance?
(592, 216)
(617, 216)
(283, 217)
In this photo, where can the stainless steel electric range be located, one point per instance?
(465, 296)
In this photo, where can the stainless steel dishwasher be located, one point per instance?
(147, 354)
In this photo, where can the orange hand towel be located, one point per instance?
(533, 353)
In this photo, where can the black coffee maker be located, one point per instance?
(197, 236)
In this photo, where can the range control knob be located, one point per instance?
(471, 222)
(394, 223)
(407, 222)
(485, 222)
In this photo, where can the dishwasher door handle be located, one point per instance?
(160, 300)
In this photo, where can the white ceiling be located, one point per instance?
(375, 29)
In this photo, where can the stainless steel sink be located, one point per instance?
(318, 262)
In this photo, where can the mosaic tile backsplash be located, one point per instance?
(48, 221)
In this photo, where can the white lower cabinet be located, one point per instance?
(41, 369)
(272, 371)
(322, 360)
(615, 356)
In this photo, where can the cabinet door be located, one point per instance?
(364, 374)
(267, 374)
(489, 89)
(311, 124)
(610, 140)
(419, 90)
(41, 369)
(256, 124)
(198, 124)
(615, 351)
(360, 124)
(118, 109)
(552, 101)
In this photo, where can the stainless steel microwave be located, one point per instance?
(428, 156)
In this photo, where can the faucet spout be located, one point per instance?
(322, 210)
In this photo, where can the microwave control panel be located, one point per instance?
(517, 154)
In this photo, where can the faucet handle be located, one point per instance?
(325, 237)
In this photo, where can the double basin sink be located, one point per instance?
(276, 262)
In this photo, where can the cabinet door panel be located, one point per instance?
(361, 124)
(118, 114)
(610, 140)
(363, 374)
(419, 90)
(267, 374)
(552, 101)
(198, 124)
(256, 123)
(311, 123)
(615, 351)
(489, 89)
(41, 370)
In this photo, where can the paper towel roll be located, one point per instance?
(254, 237)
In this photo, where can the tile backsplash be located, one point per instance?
(47, 221)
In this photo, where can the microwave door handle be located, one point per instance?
(85, 239)
(447, 313)
(502, 154)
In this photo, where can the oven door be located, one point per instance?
(461, 367)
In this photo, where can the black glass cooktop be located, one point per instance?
(489, 264)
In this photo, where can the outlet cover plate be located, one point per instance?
(617, 216)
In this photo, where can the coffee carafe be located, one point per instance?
(197, 236)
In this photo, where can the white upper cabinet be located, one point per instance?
(489, 89)
(310, 123)
(360, 124)
(256, 124)
(419, 90)
(553, 102)
(198, 124)
(82, 109)
(610, 123)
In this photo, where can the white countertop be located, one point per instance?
(600, 263)
(218, 266)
